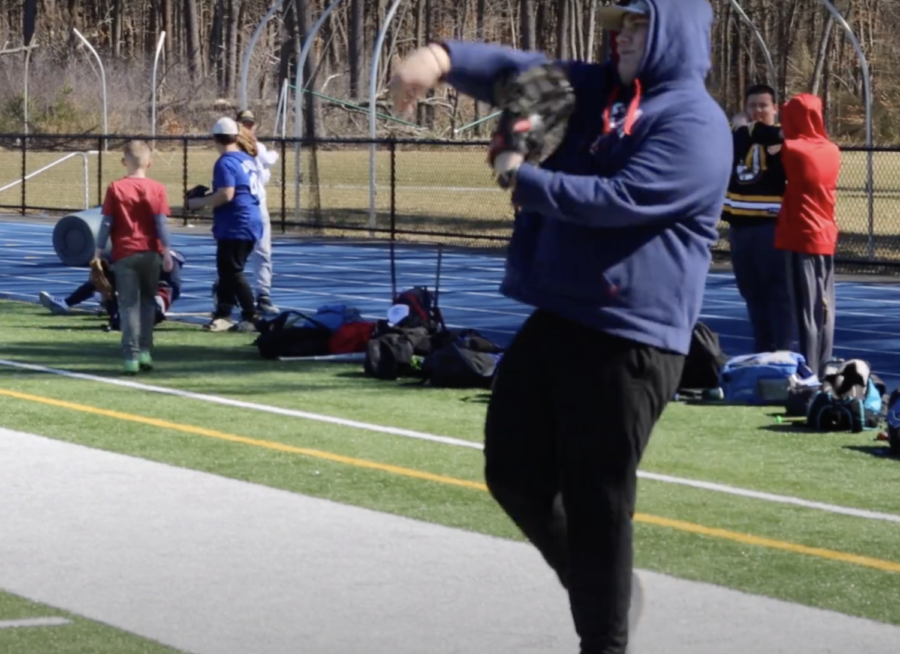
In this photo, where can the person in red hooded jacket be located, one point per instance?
(806, 226)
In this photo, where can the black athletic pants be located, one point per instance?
(570, 415)
(760, 271)
(231, 257)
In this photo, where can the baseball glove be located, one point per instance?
(198, 191)
(536, 106)
(99, 279)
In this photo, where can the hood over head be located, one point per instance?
(678, 40)
(802, 117)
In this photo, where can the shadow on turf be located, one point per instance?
(73, 328)
(789, 427)
(225, 364)
(878, 451)
(405, 383)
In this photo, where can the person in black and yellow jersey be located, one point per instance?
(752, 204)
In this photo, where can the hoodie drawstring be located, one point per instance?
(631, 115)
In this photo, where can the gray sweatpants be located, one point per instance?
(761, 275)
(261, 257)
(812, 293)
(137, 278)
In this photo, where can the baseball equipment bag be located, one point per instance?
(292, 334)
(704, 361)
(468, 361)
(893, 422)
(536, 106)
(851, 399)
(762, 378)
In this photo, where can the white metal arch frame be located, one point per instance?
(251, 45)
(159, 47)
(867, 91)
(298, 97)
(773, 76)
(373, 92)
(102, 80)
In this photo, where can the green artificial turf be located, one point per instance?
(740, 446)
(80, 636)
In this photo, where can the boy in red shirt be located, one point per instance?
(806, 226)
(135, 213)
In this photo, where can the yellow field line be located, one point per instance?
(269, 445)
(679, 525)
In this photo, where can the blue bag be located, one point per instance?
(335, 316)
(761, 379)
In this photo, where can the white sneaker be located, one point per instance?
(219, 325)
(57, 305)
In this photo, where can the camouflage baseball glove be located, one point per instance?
(536, 106)
(99, 279)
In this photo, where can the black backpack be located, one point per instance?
(704, 361)
(849, 400)
(292, 334)
(469, 360)
(423, 309)
(394, 352)
(893, 422)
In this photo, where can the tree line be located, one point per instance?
(206, 40)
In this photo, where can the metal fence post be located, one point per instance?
(393, 151)
(392, 145)
(283, 184)
(100, 149)
(24, 173)
(184, 175)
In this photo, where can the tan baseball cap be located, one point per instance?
(611, 18)
(245, 116)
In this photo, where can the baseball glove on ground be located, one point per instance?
(536, 106)
(99, 279)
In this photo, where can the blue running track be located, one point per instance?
(310, 273)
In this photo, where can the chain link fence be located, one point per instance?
(406, 190)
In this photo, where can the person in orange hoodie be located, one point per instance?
(806, 226)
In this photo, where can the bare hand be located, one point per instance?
(740, 120)
(416, 74)
(507, 161)
(167, 262)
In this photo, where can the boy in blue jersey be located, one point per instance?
(237, 226)
(611, 245)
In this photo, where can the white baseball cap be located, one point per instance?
(397, 313)
(611, 18)
(226, 126)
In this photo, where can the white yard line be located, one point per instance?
(447, 440)
(33, 622)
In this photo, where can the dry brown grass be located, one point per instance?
(450, 190)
